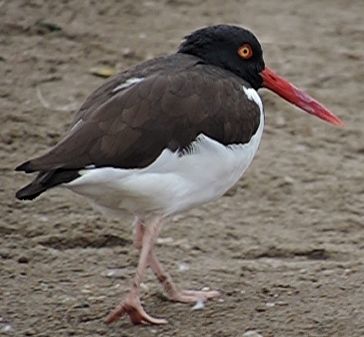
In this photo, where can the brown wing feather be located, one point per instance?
(168, 109)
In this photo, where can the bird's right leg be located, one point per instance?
(170, 288)
(131, 305)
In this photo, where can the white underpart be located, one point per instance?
(172, 183)
(128, 83)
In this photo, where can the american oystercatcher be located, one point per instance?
(167, 135)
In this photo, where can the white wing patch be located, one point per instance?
(254, 96)
(129, 82)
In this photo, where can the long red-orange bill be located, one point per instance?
(296, 96)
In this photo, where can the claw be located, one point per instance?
(191, 296)
(131, 306)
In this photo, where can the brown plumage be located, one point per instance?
(178, 99)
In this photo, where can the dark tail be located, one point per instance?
(30, 192)
(44, 181)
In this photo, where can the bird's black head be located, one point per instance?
(238, 50)
(230, 47)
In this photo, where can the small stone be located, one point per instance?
(199, 305)
(23, 259)
(5, 254)
(128, 53)
(348, 271)
(87, 289)
(288, 180)
(260, 309)
(81, 305)
(43, 218)
(103, 71)
(251, 333)
(5, 328)
(164, 241)
(65, 299)
(265, 290)
(115, 273)
(183, 267)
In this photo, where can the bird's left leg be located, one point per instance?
(131, 304)
(170, 288)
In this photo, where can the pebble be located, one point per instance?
(43, 218)
(163, 241)
(115, 273)
(5, 328)
(199, 305)
(128, 53)
(87, 289)
(270, 304)
(251, 333)
(30, 332)
(23, 259)
(183, 267)
(5, 254)
(348, 271)
(260, 309)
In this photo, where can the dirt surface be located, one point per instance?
(286, 247)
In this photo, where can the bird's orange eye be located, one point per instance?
(245, 51)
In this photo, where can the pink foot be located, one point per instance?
(191, 296)
(131, 306)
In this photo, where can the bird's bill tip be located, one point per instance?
(296, 96)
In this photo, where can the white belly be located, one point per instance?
(172, 183)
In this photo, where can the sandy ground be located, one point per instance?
(286, 247)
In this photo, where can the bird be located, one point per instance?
(164, 136)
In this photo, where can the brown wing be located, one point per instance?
(168, 109)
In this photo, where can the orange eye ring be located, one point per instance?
(245, 51)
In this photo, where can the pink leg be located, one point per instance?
(171, 290)
(131, 304)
